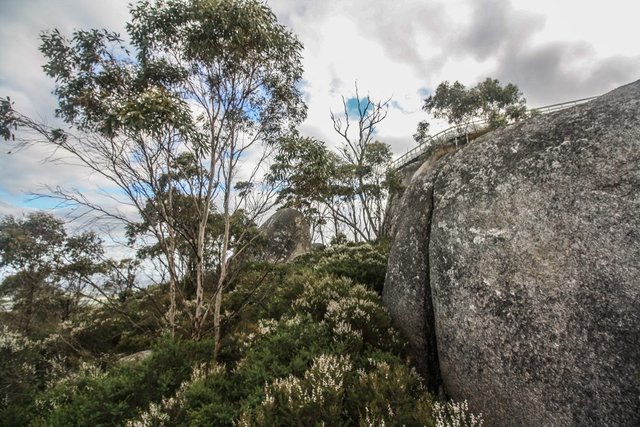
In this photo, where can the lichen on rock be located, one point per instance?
(527, 247)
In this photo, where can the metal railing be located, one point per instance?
(478, 125)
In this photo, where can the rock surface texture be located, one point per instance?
(287, 236)
(410, 304)
(524, 269)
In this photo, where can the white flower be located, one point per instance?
(455, 414)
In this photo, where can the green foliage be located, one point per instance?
(183, 210)
(304, 170)
(126, 326)
(302, 316)
(346, 188)
(248, 63)
(95, 397)
(488, 100)
(500, 105)
(332, 392)
(167, 118)
(7, 119)
(20, 363)
(311, 347)
(327, 318)
(45, 268)
(455, 414)
(363, 263)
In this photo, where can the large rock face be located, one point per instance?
(410, 304)
(530, 256)
(287, 236)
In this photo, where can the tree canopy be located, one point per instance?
(489, 101)
(47, 271)
(346, 188)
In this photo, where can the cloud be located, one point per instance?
(496, 24)
(562, 71)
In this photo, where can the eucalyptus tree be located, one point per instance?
(217, 79)
(46, 270)
(344, 190)
(497, 105)
(305, 174)
(364, 165)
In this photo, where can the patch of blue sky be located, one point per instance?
(424, 92)
(27, 202)
(355, 105)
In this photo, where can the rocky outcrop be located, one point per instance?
(392, 210)
(525, 269)
(136, 357)
(410, 304)
(287, 236)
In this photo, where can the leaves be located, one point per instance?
(488, 100)
(44, 266)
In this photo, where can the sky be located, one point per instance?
(554, 50)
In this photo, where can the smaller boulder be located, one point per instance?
(136, 357)
(287, 236)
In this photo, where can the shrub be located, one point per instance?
(312, 348)
(21, 375)
(92, 396)
(349, 309)
(314, 399)
(364, 263)
(333, 327)
(333, 392)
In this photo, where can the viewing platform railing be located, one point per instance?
(471, 128)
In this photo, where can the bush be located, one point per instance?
(314, 399)
(351, 309)
(94, 397)
(22, 375)
(455, 414)
(364, 263)
(333, 392)
(329, 318)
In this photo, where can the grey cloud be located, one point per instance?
(25, 170)
(561, 71)
(21, 22)
(397, 25)
(495, 24)
(394, 25)
(547, 73)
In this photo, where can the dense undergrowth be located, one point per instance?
(308, 343)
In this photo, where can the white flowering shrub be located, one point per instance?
(334, 391)
(318, 293)
(93, 396)
(19, 358)
(354, 313)
(164, 413)
(314, 347)
(455, 414)
(12, 342)
(387, 392)
(364, 263)
(311, 400)
(26, 369)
